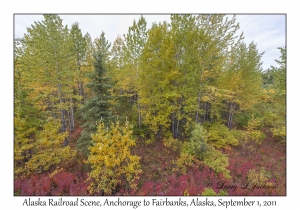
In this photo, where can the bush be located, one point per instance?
(217, 161)
(142, 131)
(252, 131)
(254, 124)
(271, 118)
(192, 183)
(198, 141)
(257, 136)
(197, 144)
(112, 165)
(210, 192)
(220, 136)
(279, 133)
(171, 143)
(197, 148)
(194, 148)
(259, 177)
(242, 119)
(185, 160)
(44, 151)
(56, 183)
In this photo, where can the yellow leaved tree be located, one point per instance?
(112, 164)
(42, 151)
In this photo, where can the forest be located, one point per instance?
(180, 108)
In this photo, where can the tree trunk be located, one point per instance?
(231, 113)
(80, 86)
(205, 107)
(229, 116)
(72, 124)
(139, 115)
(197, 113)
(177, 128)
(81, 91)
(62, 111)
(173, 125)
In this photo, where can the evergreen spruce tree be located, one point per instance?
(98, 107)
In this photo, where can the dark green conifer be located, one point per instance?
(97, 107)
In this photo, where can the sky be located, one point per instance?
(267, 31)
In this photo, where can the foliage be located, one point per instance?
(46, 150)
(45, 54)
(198, 140)
(253, 132)
(217, 161)
(22, 144)
(279, 97)
(172, 143)
(192, 183)
(111, 162)
(257, 136)
(269, 156)
(199, 103)
(184, 161)
(210, 192)
(198, 147)
(52, 184)
(178, 62)
(197, 144)
(253, 124)
(220, 136)
(150, 141)
(259, 177)
(125, 71)
(195, 148)
(79, 48)
(98, 107)
(279, 73)
(242, 80)
(279, 133)
(271, 119)
(154, 88)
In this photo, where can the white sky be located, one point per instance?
(267, 31)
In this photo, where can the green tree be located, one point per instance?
(180, 69)
(278, 107)
(218, 36)
(43, 84)
(36, 154)
(156, 89)
(79, 48)
(241, 81)
(98, 106)
(186, 36)
(134, 42)
(47, 57)
(126, 68)
(280, 72)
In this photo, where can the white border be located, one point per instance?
(8, 201)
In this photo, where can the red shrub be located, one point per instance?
(62, 183)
